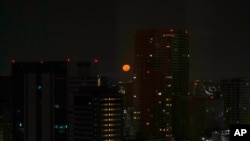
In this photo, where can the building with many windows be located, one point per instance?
(96, 113)
(42, 97)
(161, 69)
(49, 102)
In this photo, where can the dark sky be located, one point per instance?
(83, 30)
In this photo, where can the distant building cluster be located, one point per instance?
(70, 101)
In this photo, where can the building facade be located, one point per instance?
(162, 76)
(39, 110)
(5, 108)
(96, 113)
(236, 101)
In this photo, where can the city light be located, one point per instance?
(13, 61)
(68, 59)
(41, 62)
(96, 61)
(39, 87)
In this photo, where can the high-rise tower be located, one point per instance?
(39, 101)
(162, 75)
(42, 97)
(5, 108)
(236, 101)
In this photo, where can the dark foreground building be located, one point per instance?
(96, 113)
(45, 98)
(5, 108)
(236, 101)
(39, 111)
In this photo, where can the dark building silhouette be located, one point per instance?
(5, 108)
(236, 101)
(42, 97)
(162, 77)
(39, 111)
(214, 103)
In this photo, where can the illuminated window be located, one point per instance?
(57, 106)
(20, 125)
(39, 87)
(167, 46)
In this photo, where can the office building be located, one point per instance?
(42, 97)
(162, 76)
(5, 108)
(39, 111)
(96, 113)
(214, 105)
(236, 101)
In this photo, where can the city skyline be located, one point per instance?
(123, 70)
(33, 31)
(189, 110)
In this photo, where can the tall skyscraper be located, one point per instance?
(39, 111)
(162, 75)
(42, 97)
(5, 108)
(236, 101)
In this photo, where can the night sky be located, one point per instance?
(84, 30)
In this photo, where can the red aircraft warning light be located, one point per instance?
(96, 60)
(41, 61)
(13, 61)
(68, 59)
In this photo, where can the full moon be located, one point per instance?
(126, 67)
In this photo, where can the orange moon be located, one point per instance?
(126, 67)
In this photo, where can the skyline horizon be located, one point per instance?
(37, 30)
(119, 74)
